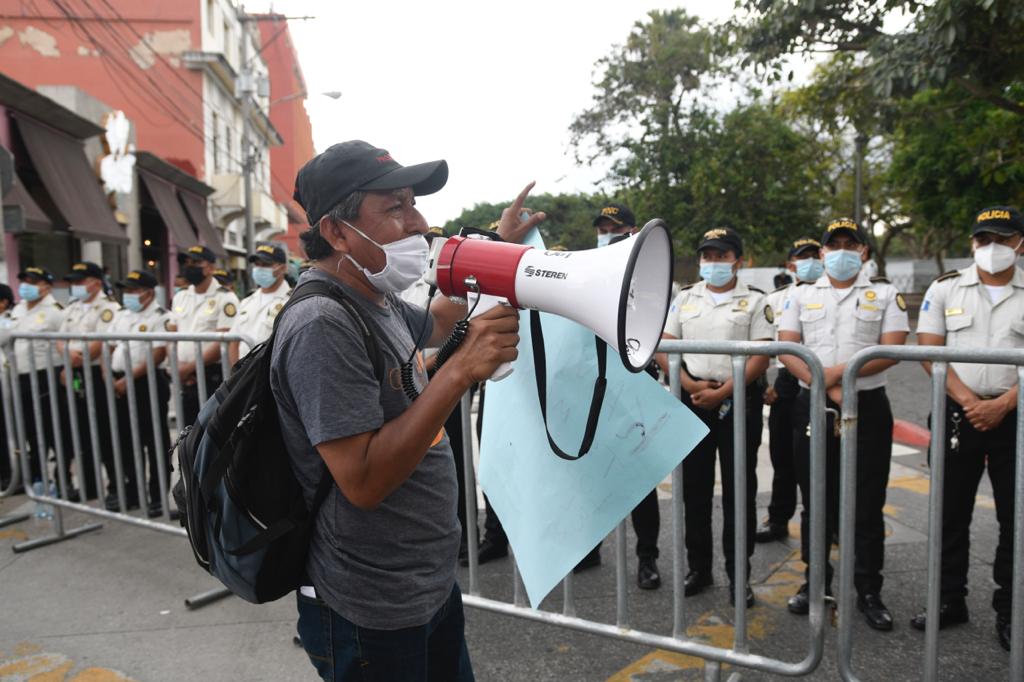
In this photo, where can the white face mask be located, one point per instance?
(406, 261)
(994, 258)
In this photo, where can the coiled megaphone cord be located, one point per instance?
(447, 349)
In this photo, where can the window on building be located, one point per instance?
(230, 145)
(227, 41)
(217, 165)
(211, 16)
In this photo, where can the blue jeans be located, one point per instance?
(341, 650)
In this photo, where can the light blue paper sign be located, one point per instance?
(554, 511)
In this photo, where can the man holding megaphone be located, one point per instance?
(382, 599)
(718, 308)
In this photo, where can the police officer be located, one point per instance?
(835, 317)
(258, 310)
(90, 311)
(38, 311)
(204, 307)
(614, 223)
(804, 262)
(6, 304)
(981, 306)
(718, 308)
(142, 314)
(225, 278)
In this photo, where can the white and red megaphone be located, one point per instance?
(621, 292)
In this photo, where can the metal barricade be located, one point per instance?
(739, 654)
(940, 357)
(71, 430)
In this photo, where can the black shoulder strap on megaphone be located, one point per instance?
(540, 371)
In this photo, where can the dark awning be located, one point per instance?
(167, 204)
(195, 205)
(71, 182)
(22, 213)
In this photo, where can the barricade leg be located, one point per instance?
(935, 500)
(469, 478)
(208, 597)
(1017, 612)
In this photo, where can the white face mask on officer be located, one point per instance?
(405, 262)
(994, 258)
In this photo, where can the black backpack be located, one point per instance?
(243, 508)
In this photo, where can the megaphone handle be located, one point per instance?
(541, 374)
(479, 308)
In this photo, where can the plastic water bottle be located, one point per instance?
(43, 511)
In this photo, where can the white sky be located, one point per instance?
(489, 86)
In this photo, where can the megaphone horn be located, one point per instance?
(621, 291)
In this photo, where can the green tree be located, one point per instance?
(974, 45)
(952, 156)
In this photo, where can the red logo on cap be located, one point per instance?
(384, 159)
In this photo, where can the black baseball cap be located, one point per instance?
(268, 253)
(355, 165)
(198, 252)
(138, 278)
(80, 271)
(618, 214)
(843, 226)
(36, 273)
(803, 244)
(723, 239)
(223, 276)
(1001, 220)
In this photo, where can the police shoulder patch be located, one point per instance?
(900, 302)
(107, 315)
(143, 327)
(169, 326)
(769, 314)
(880, 278)
(230, 309)
(952, 274)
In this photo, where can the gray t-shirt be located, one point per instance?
(392, 567)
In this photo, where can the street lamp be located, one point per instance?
(333, 94)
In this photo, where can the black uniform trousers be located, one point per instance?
(780, 449)
(699, 482)
(31, 432)
(156, 444)
(103, 438)
(874, 455)
(190, 404)
(964, 467)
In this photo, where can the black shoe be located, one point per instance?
(488, 551)
(1003, 630)
(111, 504)
(155, 510)
(647, 576)
(592, 560)
(732, 596)
(696, 582)
(769, 532)
(952, 612)
(463, 555)
(800, 603)
(875, 613)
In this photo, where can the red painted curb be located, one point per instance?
(907, 433)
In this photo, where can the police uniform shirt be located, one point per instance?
(86, 317)
(836, 323)
(196, 313)
(777, 301)
(46, 316)
(743, 314)
(958, 306)
(256, 315)
(151, 319)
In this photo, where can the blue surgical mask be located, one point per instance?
(809, 269)
(79, 291)
(604, 239)
(29, 292)
(133, 302)
(263, 277)
(842, 265)
(716, 274)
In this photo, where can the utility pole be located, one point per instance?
(247, 90)
(858, 192)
